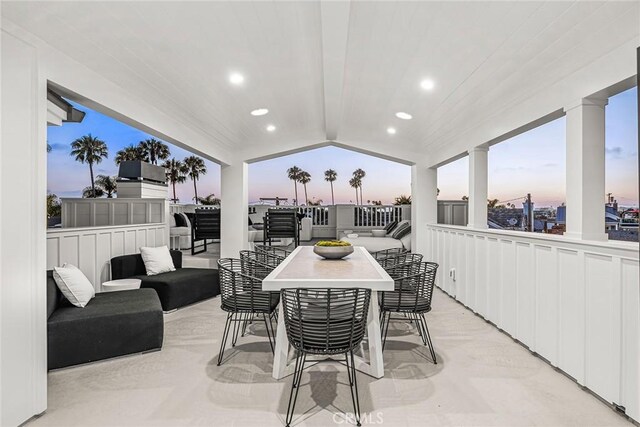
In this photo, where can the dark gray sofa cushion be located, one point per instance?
(112, 324)
(126, 266)
(175, 288)
(183, 286)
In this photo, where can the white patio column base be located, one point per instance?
(586, 170)
(234, 205)
(478, 187)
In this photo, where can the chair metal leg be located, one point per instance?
(428, 339)
(224, 337)
(418, 323)
(353, 385)
(295, 385)
(236, 329)
(386, 330)
(269, 333)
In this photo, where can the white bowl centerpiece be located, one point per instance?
(333, 249)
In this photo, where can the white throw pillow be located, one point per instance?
(157, 260)
(73, 284)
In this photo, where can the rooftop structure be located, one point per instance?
(521, 316)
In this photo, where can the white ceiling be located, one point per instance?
(332, 70)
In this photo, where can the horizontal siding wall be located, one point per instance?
(91, 249)
(575, 304)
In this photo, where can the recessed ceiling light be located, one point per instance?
(236, 78)
(404, 116)
(427, 84)
(259, 112)
(391, 131)
(271, 128)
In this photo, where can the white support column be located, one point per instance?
(585, 170)
(424, 206)
(478, 187)
(234, 207)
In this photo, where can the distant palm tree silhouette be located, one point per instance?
(293, 173)
(330, 176)
(195, 168)
(91, 150)
(304, 178)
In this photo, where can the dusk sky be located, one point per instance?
(531, 162)
(534, 162)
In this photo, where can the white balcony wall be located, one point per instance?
(91, 248)
(363, 218)
(118, 211)
(575, 303)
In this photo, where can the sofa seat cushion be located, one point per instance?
(180, 231)
(112, 324)
(183, 286)
(374, 244)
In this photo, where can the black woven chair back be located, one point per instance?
(269, 261)
(206, 224)
(274, 251)
(325, 321)
(281, 223)
(399, 259)
(241, 286)
(413, 287)
(386, 253)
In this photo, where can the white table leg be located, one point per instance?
(281, 352)
(375, 366)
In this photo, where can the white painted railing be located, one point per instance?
(91, 248)
(78, 212)
(575, 303)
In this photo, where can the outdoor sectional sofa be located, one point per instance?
(111, 324)
(175, 289)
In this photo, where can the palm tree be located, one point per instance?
(107, 184)
(294, 174)
(491, 203)
(154, 150)
(131, 152)
(359, 174)
(355, 183)
(211, 200)
(330, 176)
(195, 168)
(92, 193)
(304, 178)
(91, 150)
(402, 200)
(176, 173)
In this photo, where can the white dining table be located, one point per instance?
(304, 269)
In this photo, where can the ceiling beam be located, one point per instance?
(334, 21)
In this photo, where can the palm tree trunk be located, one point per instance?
(174, 192)
(195, 190)
(356, 195)
(333, 202)
(295, 185)
(306, 198)
(361, 199)
(93, 184)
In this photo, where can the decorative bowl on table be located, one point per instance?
(378, 233)
(333, 249)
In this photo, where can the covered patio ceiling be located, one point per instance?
(334, 70)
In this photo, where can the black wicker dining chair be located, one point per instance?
(273, 250)
(243, 299)
(399, 259)
(325, 322)
(413, 290)
(386, 253)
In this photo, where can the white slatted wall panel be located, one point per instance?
(91, 249)
(575, 304)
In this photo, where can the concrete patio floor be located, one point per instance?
(483, 378)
